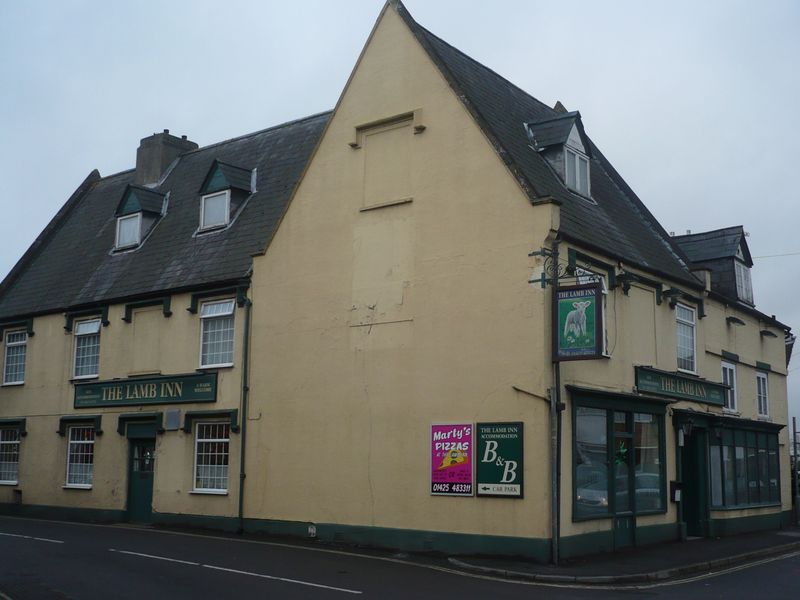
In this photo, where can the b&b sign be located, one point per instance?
(499, 460)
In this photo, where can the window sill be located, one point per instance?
(744, 507)
(9, 482)
(83, 378)
(209, 492)
(211, 228)
(209, 367)
(688, 372)
(731, 412)
(75, 486)
(12, 383)
(765, 418)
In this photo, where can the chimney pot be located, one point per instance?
(183, 137)
(166, 131)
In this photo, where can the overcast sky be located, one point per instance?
(695, 103)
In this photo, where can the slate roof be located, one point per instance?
(617, 223)
(72, 264)
(711, 245)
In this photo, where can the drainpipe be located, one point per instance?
(248, 305)
(556, 406)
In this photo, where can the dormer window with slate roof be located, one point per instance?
(563, 143)
(223, 194)
(137, 213)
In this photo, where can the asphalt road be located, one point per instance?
(55, 560)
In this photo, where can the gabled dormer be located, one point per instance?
(562, 141)
(223, 193)
(137, 213)
(725, 253)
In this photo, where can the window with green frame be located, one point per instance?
(619, 464)
(744, 468)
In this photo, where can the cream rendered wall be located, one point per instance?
(640, 332)
(150, 344)
(370, 326)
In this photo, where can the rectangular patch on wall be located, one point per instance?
(499, 460)
(451, 460)
(578, 323)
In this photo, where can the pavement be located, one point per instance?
(658, 562)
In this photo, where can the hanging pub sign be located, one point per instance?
(499, 460)
(451, 460)
(578, 323)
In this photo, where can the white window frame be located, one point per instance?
(8, 345)
(77, 335)
(120, 220)
(70, 443)
(227, 194)
(204, 319)
(4, 444)
(730, 395)
(197, 441)
(578, 156)
(744, 282)
(762, 377)
(693, 323)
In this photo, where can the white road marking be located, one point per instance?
(236, 571)
(30, 537)
(297, 581)
(175, 560)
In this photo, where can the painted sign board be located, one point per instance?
(499, 460)
(451, 459)
(653, 381)
(578, 323)
(172, 389)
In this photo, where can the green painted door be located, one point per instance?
(623, 483)
(140, 480)
(695, 483)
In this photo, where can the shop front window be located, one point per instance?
(744, 468)
(619, 464)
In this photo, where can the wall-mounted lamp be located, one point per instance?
(687, 427)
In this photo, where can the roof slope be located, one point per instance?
(617, 224)
(73, 264)
(710, 245)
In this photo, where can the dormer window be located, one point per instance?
(577, 170)
(215, 210)
(129, 231)
(744, 284)
(137, 213)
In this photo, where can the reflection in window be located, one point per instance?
(591, 473)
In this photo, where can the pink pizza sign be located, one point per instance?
(451, 460)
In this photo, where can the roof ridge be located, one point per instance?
(718, 231)
(567, 115)
(259, 132)
(480, 64)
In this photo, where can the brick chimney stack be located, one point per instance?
(156, 153)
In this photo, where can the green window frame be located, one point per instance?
(619, 458)
(744, 468)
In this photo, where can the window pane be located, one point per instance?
(9, 455)
(216, 309)
(583, 176)
(685, 346)
(217, 341)
(716, 475)
(741, 474)
(752, 475)
(16, 349)
(774, 488)
(729, 378)
(87, 355)
(211, 456)
(128, 230)
(647, 463)
(80, 456)
(728, 476)
(571, 157)
(85, 327)
(591, 455)
(215, 210)
(621, 473)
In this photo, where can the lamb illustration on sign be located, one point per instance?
(577, 322)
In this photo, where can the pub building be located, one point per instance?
(434, 318)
